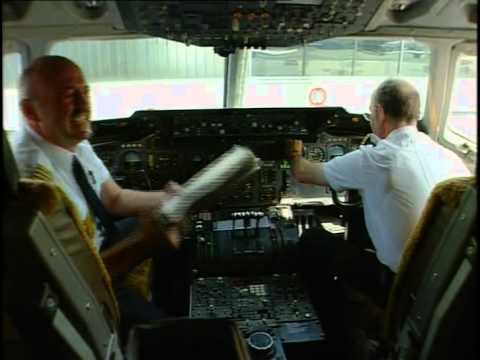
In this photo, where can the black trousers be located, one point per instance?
(170, 286)
(329, 265)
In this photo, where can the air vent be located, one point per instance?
(14, 10)
(90, 9)
(470, 11)
(402, 11)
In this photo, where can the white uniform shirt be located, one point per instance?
(31, 150)
(395, 179)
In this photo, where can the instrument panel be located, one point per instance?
(329, 146)
(142, 165)
(150, 148)
(243, 267)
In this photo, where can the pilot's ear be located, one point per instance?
(380, 115)
(29, 111)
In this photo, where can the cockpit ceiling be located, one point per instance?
(428, 18)
(230, 24)
(227, 25)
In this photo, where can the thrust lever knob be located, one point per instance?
(261, 345)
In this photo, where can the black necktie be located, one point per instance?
(93, 201)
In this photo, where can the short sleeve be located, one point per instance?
(94, 163)
(345, 172)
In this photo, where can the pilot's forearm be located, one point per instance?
(133, 202)
(308, 172)
(126, 203)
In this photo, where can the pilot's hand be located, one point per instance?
(173, 188)
(171, 237)
(370, 139)
(170, 190)
(294, 149)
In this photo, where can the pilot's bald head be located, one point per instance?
(55, 101)
(399, 99)
(41, 72)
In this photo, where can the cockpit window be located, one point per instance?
(12, 68)
(139, 74)
(335, 72)
(461, 125)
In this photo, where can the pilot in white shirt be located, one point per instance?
(32, 151)
(395, 177)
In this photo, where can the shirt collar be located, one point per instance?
(402, 133)
(59, 156)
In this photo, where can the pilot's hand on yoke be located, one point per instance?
(172, 188)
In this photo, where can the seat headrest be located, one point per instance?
(10, 175)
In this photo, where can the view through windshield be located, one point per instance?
(139, 74)
(336, 72)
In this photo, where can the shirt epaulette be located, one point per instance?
(41, 172)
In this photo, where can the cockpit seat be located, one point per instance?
(435, 277)
(55, 299)
(55, 303)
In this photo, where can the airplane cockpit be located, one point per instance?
(176, 84)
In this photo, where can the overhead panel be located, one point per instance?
(227, 25)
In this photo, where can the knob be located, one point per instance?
(261, 345)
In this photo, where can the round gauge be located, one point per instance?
(317, 154)
(335, 150)
(132, 157)
(132, 160)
